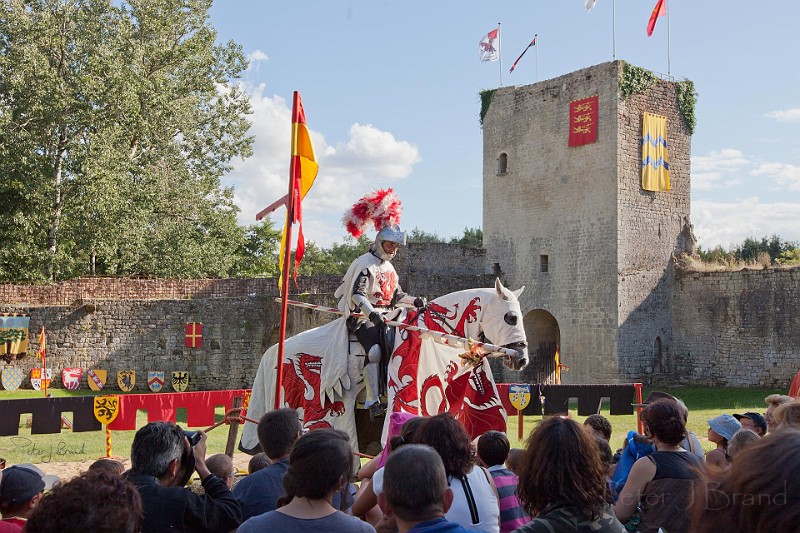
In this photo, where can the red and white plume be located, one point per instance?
(379, 208)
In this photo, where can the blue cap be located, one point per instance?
(725, 425)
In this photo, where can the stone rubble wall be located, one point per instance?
(736, 329)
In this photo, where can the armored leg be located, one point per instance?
(372, 383)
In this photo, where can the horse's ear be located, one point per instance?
(500, 289)
(518, 292)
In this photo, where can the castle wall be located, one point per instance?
(736, 329)
(649, 233)
(138, 324)
(561, 202)
(147, 335)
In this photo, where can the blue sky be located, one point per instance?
(390, 91)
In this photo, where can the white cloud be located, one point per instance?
(717, 169)
(787, 115)
(257, 56)
(368, 159)
(786, 176)
(728, 224)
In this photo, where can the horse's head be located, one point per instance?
(502, 325)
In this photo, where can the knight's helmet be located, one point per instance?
(382, 210)
(390, 233)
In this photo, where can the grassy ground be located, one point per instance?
(90, 445)
(703, 403)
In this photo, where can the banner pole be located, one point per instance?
(44, 364)
(669, 67)
(108, 442)
(614, 29)
(290, 206)
(500, 52)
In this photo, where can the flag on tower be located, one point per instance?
(490, 46)
(532, 43)
(659, 11)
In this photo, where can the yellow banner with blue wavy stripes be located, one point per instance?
(655, 160)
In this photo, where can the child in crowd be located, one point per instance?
(512, 462)
(20, 491)
(493, 448)
(743, 439)
(599, 425)
(258, 462)
(221, 465)
(112, 466)
(721, 430)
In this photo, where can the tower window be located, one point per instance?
(502, 164)
(544, 265)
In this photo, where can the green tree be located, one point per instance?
(334, 260)
(117, 119)
(774, 246)
(418, 235)
(472, 237)
(258, 254)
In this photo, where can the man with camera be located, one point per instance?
(163, 458)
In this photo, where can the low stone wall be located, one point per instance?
(737, 329)
(147, 335)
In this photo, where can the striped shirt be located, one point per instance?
(512, 515)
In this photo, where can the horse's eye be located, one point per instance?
(510, 318)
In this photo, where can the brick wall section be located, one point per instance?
(149, 335)
(649, 233)
(414, 264)
(122, 324)
(736, 329)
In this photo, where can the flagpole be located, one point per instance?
(290, 206)
(44, 363)
(536, 36)
(614, 29)
(669, 69)
(500, 53)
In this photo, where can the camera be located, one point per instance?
(193, 436)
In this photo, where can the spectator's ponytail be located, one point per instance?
(665, 421)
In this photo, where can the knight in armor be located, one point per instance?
(371, 287)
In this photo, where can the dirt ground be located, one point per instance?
(66, 471)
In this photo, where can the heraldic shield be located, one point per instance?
(126, 379)
(96, 379)
(155, 380)
(71, 378)
(180, 380)
(36, 377)
(519, 395)
(106, 408)
(12, 377)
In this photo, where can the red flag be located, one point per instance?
(302, 174)
(533, 43)
(659, 11)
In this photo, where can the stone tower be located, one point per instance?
(573, 224)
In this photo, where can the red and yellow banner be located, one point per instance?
(194, 334)
(583, 121)
(302, 174)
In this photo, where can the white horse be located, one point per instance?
(322, 369)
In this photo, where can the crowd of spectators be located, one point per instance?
(432, 477)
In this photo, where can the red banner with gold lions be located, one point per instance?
(583, 121)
